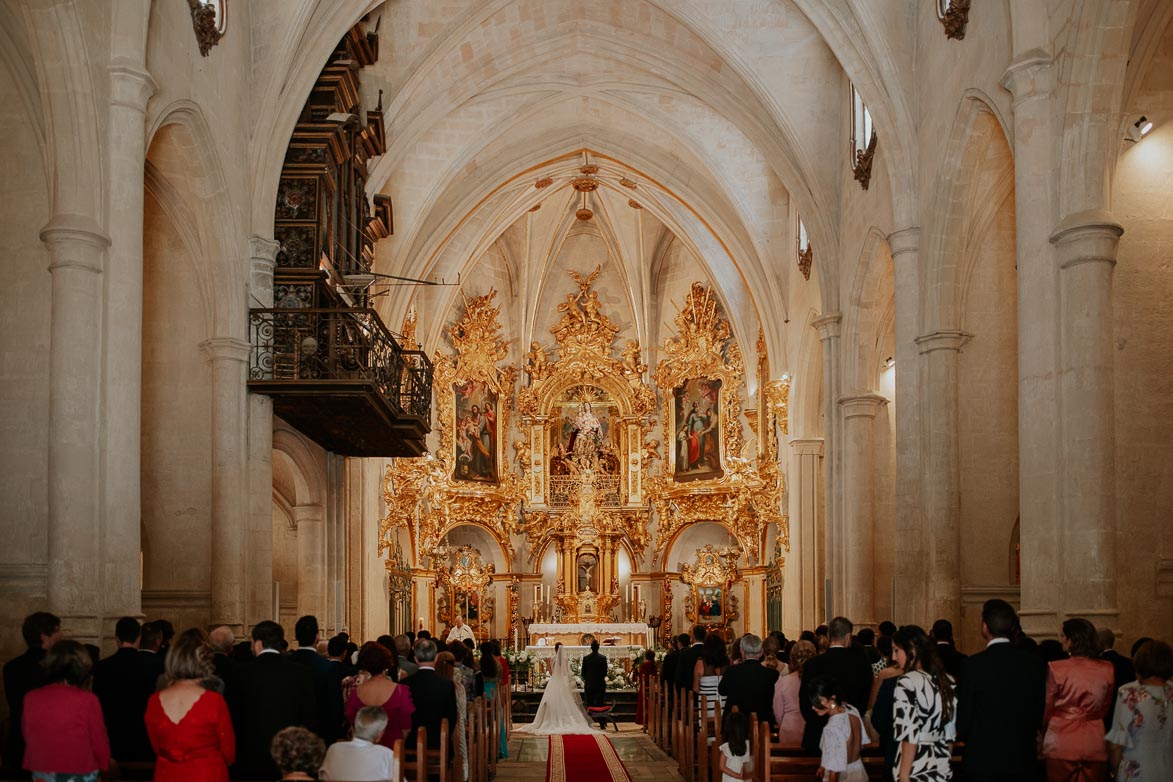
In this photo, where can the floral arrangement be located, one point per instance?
(638, 658)
(519, 659)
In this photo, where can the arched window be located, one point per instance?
(863, 140)
(806, 254)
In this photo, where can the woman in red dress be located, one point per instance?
(188, 724)
(646, 678)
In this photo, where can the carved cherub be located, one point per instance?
(535, 362)
(523, 451)
(632, 366)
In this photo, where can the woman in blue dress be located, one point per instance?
(490, 674)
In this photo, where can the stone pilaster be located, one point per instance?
(130, 89)
(857, 588)
(829, 328)
(1085, 246)
(1030, 79)
(311, 560)
(228, 358)
(941, 468)
(259, 539)
(801, 606)
(910, 543)
(76, 248)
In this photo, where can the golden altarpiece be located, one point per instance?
(582, 483)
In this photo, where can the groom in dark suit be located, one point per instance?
(594, 677)
(1000, 701)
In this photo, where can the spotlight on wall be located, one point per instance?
(1139, 129)
(889, 362)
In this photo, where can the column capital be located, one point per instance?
(130, 84)
(1087, 237)
(943, 340)
(904, 240)
(75, 241)
(1029, 76)
(861, 405)
(828, 325)
(226, 349)
(310, 513)
(811, 446)
(262, 249)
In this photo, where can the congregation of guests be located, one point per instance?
(203, 707)
(1071, 709)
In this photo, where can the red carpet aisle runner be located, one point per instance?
(586, 758)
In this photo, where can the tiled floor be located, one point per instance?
(642, 758)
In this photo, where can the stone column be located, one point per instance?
(857, 588)
(804, 565)
(829, 329)
(259, 563)
(130, 89)
(1086, 248)
(911, 530)
(228, 357)
(1030, 80)
(941, 468)
(311, 560)
(76, 246)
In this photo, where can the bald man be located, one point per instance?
(460, 631)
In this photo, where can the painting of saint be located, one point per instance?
(475, 433)
(697, 451)
(709, 603)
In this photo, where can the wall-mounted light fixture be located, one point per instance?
(1139, 129)
(889, 362)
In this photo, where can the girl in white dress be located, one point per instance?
(842, 737)
(560, 713)
(735, 760)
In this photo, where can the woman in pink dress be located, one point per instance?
(382, 690)
(1079, 693)
(786, 694)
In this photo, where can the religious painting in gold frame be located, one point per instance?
(697, 452)
(476, 436)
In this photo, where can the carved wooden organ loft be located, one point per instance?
(333, 369)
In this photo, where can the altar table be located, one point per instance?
(621, 654)
(571, 633)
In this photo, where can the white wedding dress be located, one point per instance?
(560, 713)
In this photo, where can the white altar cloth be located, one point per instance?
(595, 628)
(577, 652)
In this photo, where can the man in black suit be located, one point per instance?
(329, 721)
(848, 666)
(1121, 668)
(688, 658)
(1000, 700)
(433, 696)
(668, 668)
(594, 677)
(150, 644)
(866, 640)
(22, 674)
(275, 693)
(952, 659)
(124, 682)
(749, 685)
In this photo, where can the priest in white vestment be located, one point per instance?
(460, 631)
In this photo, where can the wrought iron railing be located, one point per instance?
(325, 345)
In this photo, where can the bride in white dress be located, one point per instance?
(560, 712)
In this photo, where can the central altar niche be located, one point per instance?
(585, 417)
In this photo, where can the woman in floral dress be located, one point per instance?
(925, 711)
(1140, 742)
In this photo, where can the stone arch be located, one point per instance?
(676, 551)
(977, 174)
(309, 477)
(872, 294)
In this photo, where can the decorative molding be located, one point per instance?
(861, 405)
(862, 169)
(24, 580)
(1087, 237)
(226, 349)
(130, 85)
(904, 241)
(828, 326)
(955, 19)
(943, 340)
(1029, 76)
(977, 594)
(160, 600)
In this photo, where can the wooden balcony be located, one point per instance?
(342, 379)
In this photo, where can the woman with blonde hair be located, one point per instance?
(791, 723)
(187, 722)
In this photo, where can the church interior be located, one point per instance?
(600, 318)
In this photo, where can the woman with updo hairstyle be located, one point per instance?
(1079, 693)
(377, 669)
(924, 713)
(65, 737)
(298, 753)
(787, 692)
(1141, 739)
(188, 723)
